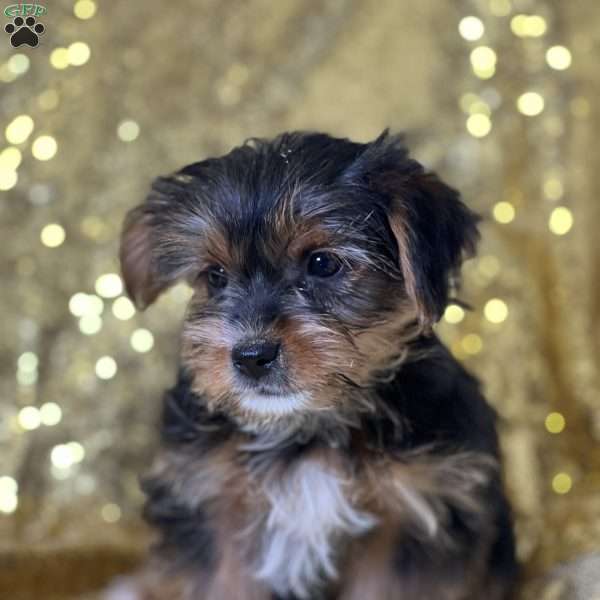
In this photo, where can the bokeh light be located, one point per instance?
(528, 25)
(18, 63)
(483, 61)
(109, 285)
(504, 212)
(562, 483)
(78, 53)
(53, 235)
(555, 422)
(50, 414)
(142, 340)
(561, 220)
(111, 512)
(106, 367)
(44, 147)
(123, 308)
(472, 343)
(530, 104)
(559, 57)
(454, 314)
(495, 310)
(29, 418)
(471, 28)
(479, 125)
(59, 58)
(128, 131)
(19, 129)
(84, 9)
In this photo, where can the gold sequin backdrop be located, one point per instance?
(500, 96)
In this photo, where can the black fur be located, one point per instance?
(402, 234)
(186, 535)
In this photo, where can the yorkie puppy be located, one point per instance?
(320, 443)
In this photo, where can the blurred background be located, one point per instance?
(499, 96)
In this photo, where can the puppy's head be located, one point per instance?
(313, 260)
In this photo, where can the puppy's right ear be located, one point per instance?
(138, 266)
(160, 238)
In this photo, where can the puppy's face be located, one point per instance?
(313, 260)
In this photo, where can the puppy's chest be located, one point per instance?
(308, 511)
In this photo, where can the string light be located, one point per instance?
(78, 53)
(471, 28)
(8, 179)
(59, 58)
(561, 220)
(109, 285)
(84, 9)
(90, 324)
(472, 343)
(18, 64)
(111, 513)
(530, 104)
(479, 125)
(555, 422)
(558, 57)
(28, 361)
(64, 456)
(9, 489)
(50, 414)
(27, 377)
(19, 129)
(88, 307)
(44, 147)
(142, 340)
(128, 131)
(10, 158)
(81, 304)
(483, 62)
(454, 314)
(123, 308)
(504, 212)
(553, 188)
(29, 418)
(106, 367)
(528, 25)
(52, 235)
(495, 310)
(562, 483)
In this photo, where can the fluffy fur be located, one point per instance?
(361, 462)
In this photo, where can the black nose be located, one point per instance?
(255, 360)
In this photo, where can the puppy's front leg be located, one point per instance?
(444, 532)
(395, 566)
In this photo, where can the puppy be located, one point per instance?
(320, 442)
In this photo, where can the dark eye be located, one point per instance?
(216, 277)
(323, 264)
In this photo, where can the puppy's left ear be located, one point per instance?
(434, 231)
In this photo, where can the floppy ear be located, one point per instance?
(136, 254)
(152, 251)
(434, 231)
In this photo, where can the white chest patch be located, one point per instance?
(309, 512)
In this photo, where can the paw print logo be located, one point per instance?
(24, 31)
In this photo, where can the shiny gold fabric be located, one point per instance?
(117, 93)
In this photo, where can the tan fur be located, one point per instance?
(402, 496)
